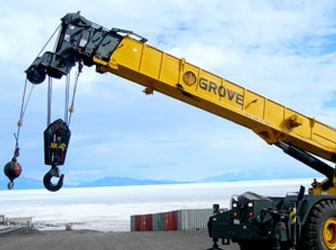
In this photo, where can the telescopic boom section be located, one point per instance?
(126, 54)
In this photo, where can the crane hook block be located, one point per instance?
(56, 140)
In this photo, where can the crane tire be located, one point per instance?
(319, 232)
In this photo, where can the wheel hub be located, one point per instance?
(329, 233)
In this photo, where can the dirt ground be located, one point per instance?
(92, 240)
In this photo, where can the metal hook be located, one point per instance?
(10, 185)
(53, 172)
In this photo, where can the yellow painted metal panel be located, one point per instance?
(128, 54)
(177, 78)
(151, 62)
(254, 104)
(170, 70)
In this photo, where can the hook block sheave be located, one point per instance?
(56, 141)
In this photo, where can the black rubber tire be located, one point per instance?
(319, 232)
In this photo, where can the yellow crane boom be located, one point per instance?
(157, 70)
(126, 54)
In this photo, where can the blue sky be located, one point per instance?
(284, 50)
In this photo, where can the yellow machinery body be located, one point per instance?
(159, 71)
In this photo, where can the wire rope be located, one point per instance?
(23, 108)
(49, 101)
(25, 100)
(71, 108)
(52, 35)
(67, 94)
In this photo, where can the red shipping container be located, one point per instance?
(143, 222)
(170, 221)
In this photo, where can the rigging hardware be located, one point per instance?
(56, 140)
(13, 169)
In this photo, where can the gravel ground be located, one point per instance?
(93, 240)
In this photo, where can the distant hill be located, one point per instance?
(251, 176)
(30, 183)
(124, 181)
(22, 183)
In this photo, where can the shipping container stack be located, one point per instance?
(186, 219)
